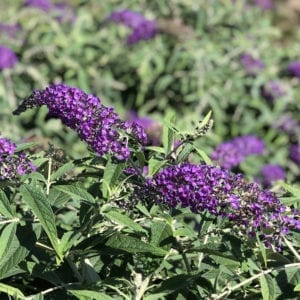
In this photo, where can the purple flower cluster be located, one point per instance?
(288, 125)
(231, 153)
(13, 164)
(142, 29)
(295, 153)
(7, 58)
(99, 126)
(294, 68)
(272, 90)
(271, 173)
(264, 4)
(151, 127)
(223, 194)
(251, 64)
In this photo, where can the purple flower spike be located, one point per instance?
(99, 126)
(271, 173)
(13, 164)
(223, 194)
(295, 153)
(142, 29)
(231, 153)
(294, 68)
(264, 4)
(251, 65)
(7, 58)
(272, 90)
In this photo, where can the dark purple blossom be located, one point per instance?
(251, 64)
(13, 164)
(151, 127)
(294, 68)
(202, 188)
(264, 4)
(271, 173)
(295, 153)
(142, 28)
(231, 153)
(272, 90)
(99, 126)
(7, 58)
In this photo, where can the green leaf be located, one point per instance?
(6, 239)
(121, 219)
(161, 235)
(75, 192)
(203, 155)
(22, 242)
(295, 191)
(62, 170)
(37, 201)
(25, 146)
(133, 245)
(267, 287)
(11, 291)
(155, 165)
(111, 174)
(184, 152)
(297, 288)
(168, 133)
(5, 206)
(89, 295)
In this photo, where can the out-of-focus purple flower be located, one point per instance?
(10, 29)
(264, 4)
(271, 173)
(45, 5)
(251, 65)
(142, 28)
(7, 58)
(294, 68)
(99, 126)
(272, 90)
(288, 125)
(13, 164)
(231, 153)
(151, 127)
(202, 188)
(295, 153)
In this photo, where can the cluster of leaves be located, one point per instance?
(69, 230)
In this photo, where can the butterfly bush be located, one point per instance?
(272, 91)
(142, 28)
(294, 68)
(99, 126)
(231, 153)
(224, 194)
(251, 64)
(7, 58)
(13, 164)
(271, 173)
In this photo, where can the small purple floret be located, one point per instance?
(294, 68)
(231, 153)
(271, 173)
(142, 28)
(13, 164)
(251, 65)
(272, 90)
(7, 58)
(264, 4)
